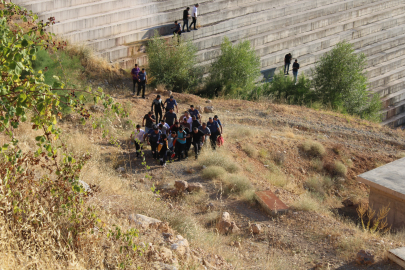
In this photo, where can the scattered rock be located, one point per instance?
(144, 221)
(120, 170)
(208, 101)
(71, 117)
(209, 207)
(238, 244)
(164, 266)
(97, 108)
(164, 227)
(208, 265)
(340, 180)
(194, 187)
(302, 170)
(181, 185)
(255, 228)
(233, 228)
(181, 246)
(209, 109)
(86, 187)
(364, 257)
(166, 254)
(277, 191)
(348, 203)
(224, 223)
(200, 109)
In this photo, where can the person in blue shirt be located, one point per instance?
(181, 143)
(135, 71)
(170, 104)
(194, 112)
(215, 131)
(154, 138)
(219, 122)
(142, 78)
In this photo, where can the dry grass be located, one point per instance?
(306, 202)
(340, 169)
(314, 148)
(317, 164)
(213, 172)
(240, 132)
(236, 183)
(220, 157)
(277, 179)
(250, 150)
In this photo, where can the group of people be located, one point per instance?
(171, 137)
(295, 66)
(139, 77)
(186, 17)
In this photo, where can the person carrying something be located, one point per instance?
(194, 112)
(154, 138)
(163, 148)
(171, 142)
(205, 130)
(170, 104)
(194, 16)
(158, 105)
(198, 140)
(219, 122)
(175, 127)
(181, 143)
(142, 79)
(138, 137)
(150, 119)
(188, 139)
(215, 132)
(186, 16)
(135, 72)
(170, 117)
(296, 67)
(287, 62)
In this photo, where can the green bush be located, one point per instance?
(339, 80)
(173, 63)
(235, 71)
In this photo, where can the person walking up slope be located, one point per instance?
(296, 67)
(194, 16)
(157, 105)
(135, 78)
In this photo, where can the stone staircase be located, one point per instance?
(117, 30)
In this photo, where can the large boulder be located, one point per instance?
(181, 245)
(364, 257)
(255, 228)
(224, 223)
(209, 109)
(144, 221)
(194, 187)
(181, 185)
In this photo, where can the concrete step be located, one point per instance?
(390, 112)
(261, 33)
(388, 90)
(387, 65)
(46, 5)
(395, 121)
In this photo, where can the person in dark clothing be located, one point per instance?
(287, 62)
(188, 140)
(158, 105)
(163, 150)
(170, 117)
(194, 112)
(135, 72)
(170, 104)
(215, 132)
(195, 123)
(185, 124)
(198, 140)
(181, 143)
(150, 119)
(186, 16)
(154, 138)
(296, 67)
(142, 79)
(177, 28)
(219, 122)
(175, 127)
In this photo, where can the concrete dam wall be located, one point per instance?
(116, 30)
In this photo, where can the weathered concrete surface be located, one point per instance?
(387, 188)
(115, 29)
(398, 256)
(271, 203)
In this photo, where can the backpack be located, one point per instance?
(220, 140)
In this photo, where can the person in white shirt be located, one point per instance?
(138, 137)
(188, 117)
(194, 16)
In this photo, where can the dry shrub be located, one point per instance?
(240, 132)
(340, 169)
(213, 172)
(279, 158)
(317, 164)
(306, 203)
(263, 153)
(313, 148)
(236, 183)
(277, 179)
(249, 196)
(319, 184)
(250, 150)
(220, 157)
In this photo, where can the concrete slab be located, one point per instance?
(398, 256)
(388, 178)
(270, 202)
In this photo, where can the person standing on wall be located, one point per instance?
(194, 16)
(157, 105)
(135, 72)
(142, 79)
(186, 16)
(287, 62)
(296, 67)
